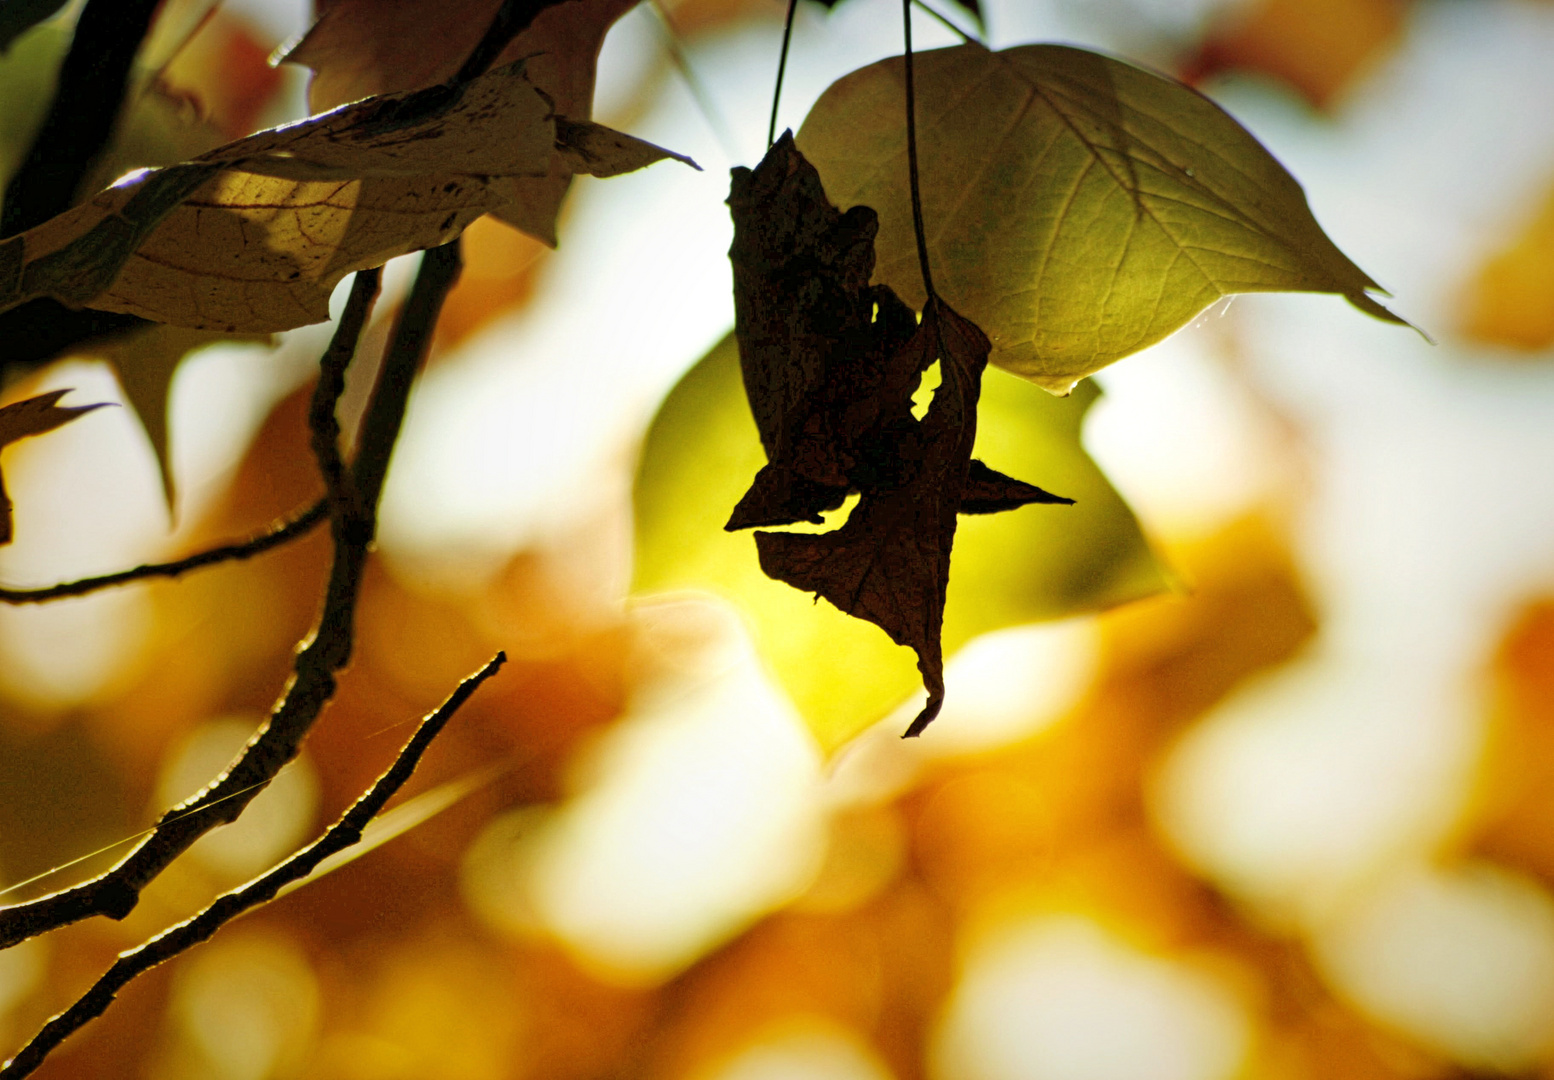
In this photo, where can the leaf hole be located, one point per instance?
(925, 389)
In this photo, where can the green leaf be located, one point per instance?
(1078, 208)
(1038, 562)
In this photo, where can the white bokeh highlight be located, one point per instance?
(1058, 998)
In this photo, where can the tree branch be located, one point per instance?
(279, 533)
(512, 19)
(321, 655)
(80, 121)
(344, 833)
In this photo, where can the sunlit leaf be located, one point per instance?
(1078, 208)
(1037, 562)
(253, 236)
(363, 47)
(35, 416)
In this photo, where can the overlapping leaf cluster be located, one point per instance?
(1078, 209)
(831, 366)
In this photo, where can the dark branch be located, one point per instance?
(72, 138)
(322, 654)
(281, 532)
(343, 834)
(512, 19)
(322, 422)
(80, 122)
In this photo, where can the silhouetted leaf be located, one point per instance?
(890, 563)
(1078, 208)
(830, 368)
(35, 416)
(1011, 568)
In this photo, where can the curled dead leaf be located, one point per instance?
(830, 368)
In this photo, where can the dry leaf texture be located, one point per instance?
(253, 236)
(363, 47)
(830, 384)
(1078, 208)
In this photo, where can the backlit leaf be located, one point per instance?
(363, 47)
(1037, 562)
(253, 236)
(1078, 208)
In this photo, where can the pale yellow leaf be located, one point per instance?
(1077, 208)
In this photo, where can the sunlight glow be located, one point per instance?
(1460, 960)
(1060, 999)
(702, 815)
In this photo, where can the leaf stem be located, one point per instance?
(341, 835)
(911, 131)
(965, 35)
(782, 69)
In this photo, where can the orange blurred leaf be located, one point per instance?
(1511, 299)
(1316, 47)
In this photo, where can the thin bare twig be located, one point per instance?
(322, 654)
(279, 533)
(322, 422)
(344, 833)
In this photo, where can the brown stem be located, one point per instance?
(177, 939)
(782, 69)
(911, 126)
(281, 532)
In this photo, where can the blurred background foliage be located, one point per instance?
(1293, 820)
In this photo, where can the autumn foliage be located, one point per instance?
(1190, 788)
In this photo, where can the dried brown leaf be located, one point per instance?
(830, 367)
(253, 236)
(364, 47)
